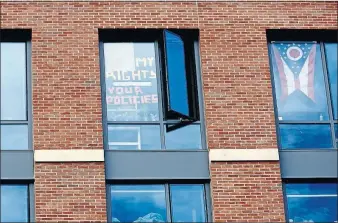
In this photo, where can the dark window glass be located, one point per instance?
(13, 81)
(187, 203)
(131, 85)
(138, 203)
(303, 136)
(188, 137)
(134, 137)
(299, 81)
(331, 50)
(312, 202)
(14, 203)
(176, 74)
(14, 137)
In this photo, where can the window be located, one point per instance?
(304, 79)
(305, 88)
(17, 171)
(150, 90)
(14, 125)
(158, 203)
(14, 203)
(151, 101)
(312, 202)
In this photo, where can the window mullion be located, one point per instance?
(168, 201)
(29, 93)
(274, 97)
(200, 100)
(328, 95)
(103, 96)
(159, 90)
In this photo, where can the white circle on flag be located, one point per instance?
(294, 53)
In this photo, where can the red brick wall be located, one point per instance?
(70, 192)
(247, 192)
(236, 81)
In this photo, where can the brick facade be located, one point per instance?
(70, 192)
(236, 84)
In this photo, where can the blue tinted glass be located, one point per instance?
(14, 137)
(312, 202)
(331, 50)
(187, 203)
(138, 203)
(133, 137)
(14, 203)
(188, 137)
(336, 130)
(131, 82)
(13, 81)
(305, 136)
(299, 81)
(177, 81)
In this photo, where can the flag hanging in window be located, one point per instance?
(295, 65)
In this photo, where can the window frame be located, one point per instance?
(294, 167)
(154, 36)
(8, 38)
(17, 166)
(206, 194)
(331, 121)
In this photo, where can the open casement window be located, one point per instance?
(180, 80)
(150, 89)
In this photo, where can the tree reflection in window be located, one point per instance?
(138, 203)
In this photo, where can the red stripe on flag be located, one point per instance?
(282, 76)
(311, 67)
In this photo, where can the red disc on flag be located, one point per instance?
(294, 53)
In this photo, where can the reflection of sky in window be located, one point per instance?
(188, 137)
(13, 81)
(140, 203)
(14, 203)
(297, 105)
(312, 202)
(14, 137)
(331, 50)
(178, 92)
(302, 136)
(187, 203)
(125, 57)
(134, 137)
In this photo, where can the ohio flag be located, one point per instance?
(295, 65)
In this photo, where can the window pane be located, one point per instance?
(138, 203)
(176, 74)
(336, 130)
(305, 136)
(14, 203)
(133, 137)
(131, 85)
(331, 50)
(14, 137)
(188, 137)
(312, 202)
(299, 81)
(13, 81)
(187, 203)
